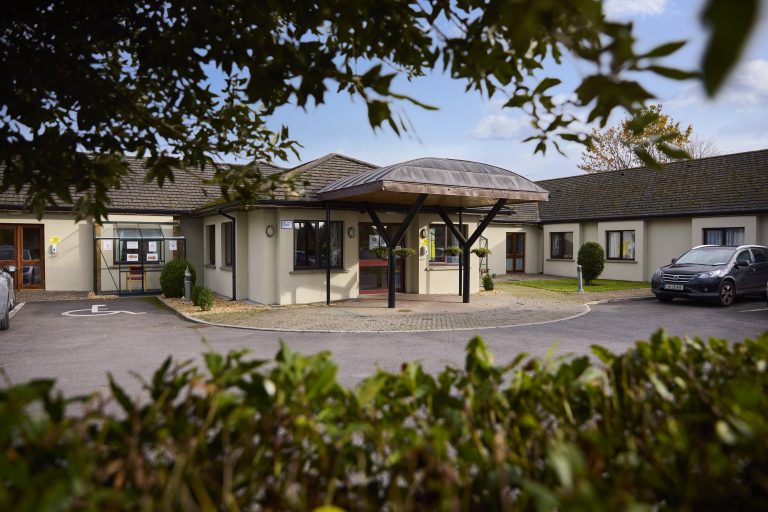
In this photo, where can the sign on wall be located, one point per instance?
(172, 245)
(286, 224)
(132, 244)
(54, 240)
(152, 246)
(106, 245)
(131, 257)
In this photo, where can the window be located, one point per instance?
(561, 246)
(745, 255)
(310, 249)
(210, 234)
(621, 245)
(440, 238)
(760, 255)
(226, 242)
(724, 236)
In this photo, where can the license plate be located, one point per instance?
(677, 287)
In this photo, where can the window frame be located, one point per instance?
(448, 236)
(621, 256)
(210, 233)
(723, 235)
(227, 239)
(319, 232)
(562, 236)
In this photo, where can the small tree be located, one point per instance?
(172, 278)
(592, 261)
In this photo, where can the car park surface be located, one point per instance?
(78, 342)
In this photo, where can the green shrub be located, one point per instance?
(453, 251)
(487, 282)
(195, 293)
(592, 261)
(205, 299)
(670, 424)
(172, 278)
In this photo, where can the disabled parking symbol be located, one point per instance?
(98, 310)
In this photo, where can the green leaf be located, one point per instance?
(120, 395)
(664, 50)
(673, 73)
(546, 84)
(731, 24)
(602, 353)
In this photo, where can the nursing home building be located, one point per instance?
(339, 237)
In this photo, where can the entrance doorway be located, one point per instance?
(373, 269)
(22, 246)
(515, 252)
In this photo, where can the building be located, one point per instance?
(329, 242)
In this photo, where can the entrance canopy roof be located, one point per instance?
(457, 183)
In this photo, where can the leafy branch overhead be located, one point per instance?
(188, 84)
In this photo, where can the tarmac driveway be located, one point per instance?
(78, 342)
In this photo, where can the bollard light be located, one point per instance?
(578, 273)
(187, 282)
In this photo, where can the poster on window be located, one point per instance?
(132, 244)
(106, 245)
(152, 257)
(172, 245)
(131, 257)
(151, 246)
(373, 241)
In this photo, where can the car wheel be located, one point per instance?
(5, 322)
(664, 297)
(726, 294)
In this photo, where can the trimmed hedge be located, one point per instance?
(172, 278)
(195, 293)
(592, 261)
(487, 282)
(205, 299)
(671, 424)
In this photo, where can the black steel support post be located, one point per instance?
(461, 260)
(328, 254)
(391, 243)
(472, 239)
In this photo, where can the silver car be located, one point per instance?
(7, 296)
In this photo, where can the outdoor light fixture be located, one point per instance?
(270, 231)
(351, 232)
(423, 233)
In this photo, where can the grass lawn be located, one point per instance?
(569, 284)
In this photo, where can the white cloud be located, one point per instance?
(746, 89)
(500, 127)
(623, 8)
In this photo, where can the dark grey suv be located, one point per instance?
(714, 272)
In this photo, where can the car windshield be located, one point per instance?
(707, 256)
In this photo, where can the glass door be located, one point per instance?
(373, 269)
(22, 246)
(515, 252)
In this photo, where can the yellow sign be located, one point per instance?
(54, 240)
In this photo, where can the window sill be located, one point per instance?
(226, 269)
(209, 265)
(561, 259)
(438, 268)
(621, 261)
(318, 271)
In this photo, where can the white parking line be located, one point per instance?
(16, 309)
(752, 310)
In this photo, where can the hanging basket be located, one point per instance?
(481, 252)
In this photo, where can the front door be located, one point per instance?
(22, 247)
(515, 252)
(373, 269)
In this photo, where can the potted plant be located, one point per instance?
(454, 251)
(481, 252)
(382, 252)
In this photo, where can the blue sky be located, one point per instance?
(470, 127)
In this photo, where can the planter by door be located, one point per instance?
(373, 270)
(23, 247)
(515, 252)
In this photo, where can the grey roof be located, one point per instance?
(184, 194)
(720, 185)
(437, 177)
(320, 173)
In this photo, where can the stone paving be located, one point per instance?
(413, 313)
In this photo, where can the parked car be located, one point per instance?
(714, 272)
(7, 296)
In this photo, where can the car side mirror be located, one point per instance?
(742, 263)
(674, 260)
(11, 268)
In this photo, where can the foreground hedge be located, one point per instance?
(669, 425)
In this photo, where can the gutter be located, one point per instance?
(234, 252)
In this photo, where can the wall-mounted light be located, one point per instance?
(423, 233)
(270, 231)
(351, 232)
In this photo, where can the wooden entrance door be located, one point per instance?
(22, 246)
(373, 270)
(515, 252)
